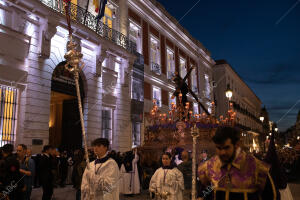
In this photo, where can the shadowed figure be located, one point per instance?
(184, 89)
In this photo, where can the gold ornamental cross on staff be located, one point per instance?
(74, 65)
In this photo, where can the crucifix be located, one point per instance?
(184, 89)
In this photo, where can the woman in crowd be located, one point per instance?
(167, 180)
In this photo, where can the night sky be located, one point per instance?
(261, 41)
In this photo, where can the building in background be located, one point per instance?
(168, 48)
(245, 103)
(130, 58)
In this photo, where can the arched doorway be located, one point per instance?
(64, 121)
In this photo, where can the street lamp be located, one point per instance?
(276, 129)
(228, 92)
(261, 119)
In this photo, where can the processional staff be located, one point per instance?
(74, 65)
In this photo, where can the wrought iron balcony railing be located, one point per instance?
(156, 68)
(82, 16)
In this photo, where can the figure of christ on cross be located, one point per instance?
(184, 89)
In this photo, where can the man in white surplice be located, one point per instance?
(101, 180)
(130, 182)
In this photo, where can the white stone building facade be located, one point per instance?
(35, 109)
(245, 102)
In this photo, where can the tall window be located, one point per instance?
(157, 95)
(155, 55)
(107, 124)
(108, 16)
(183, 70)
(207, 86)
(137, 90)
(8, 114)
(135, 35)
(136, 134)
(194, 81)
(170, 63)
(195, 108)
(171, 100)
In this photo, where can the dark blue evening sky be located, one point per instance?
(261, 41)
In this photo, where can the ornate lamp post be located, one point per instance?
(195, 134)
(228, 94)
(261, 118)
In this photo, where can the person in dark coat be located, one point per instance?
(276, 171)
(63, 168)
(13, 180)
(46, 176)
(186, 168)
(78, 170)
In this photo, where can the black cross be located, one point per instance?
(184, 89)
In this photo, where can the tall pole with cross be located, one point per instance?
(74, 65)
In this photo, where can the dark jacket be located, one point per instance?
(45, 167)
(186, 169)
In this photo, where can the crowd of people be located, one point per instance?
(231, 172)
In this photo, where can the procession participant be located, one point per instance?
(186, 169)
(45, 172)
(101, 177)
(130, 182)
(204, 156)
(167, 180)
(233, 174)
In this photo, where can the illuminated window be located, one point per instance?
(171, 100)
(183, 70)
(157, 95)
(107, 124)
(135, 35)
(195, 108)
(137, 88)
(8, 114)
(136, 134)
(207, 86)
(170, 63)
(155, 55)
(194, 81)
(108, 16)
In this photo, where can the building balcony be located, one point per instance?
(156, 68)
(82, 16)
(243, 111)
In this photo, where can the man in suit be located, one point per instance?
(45, 173)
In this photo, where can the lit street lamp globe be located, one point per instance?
(261, 119)
(228, 92)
